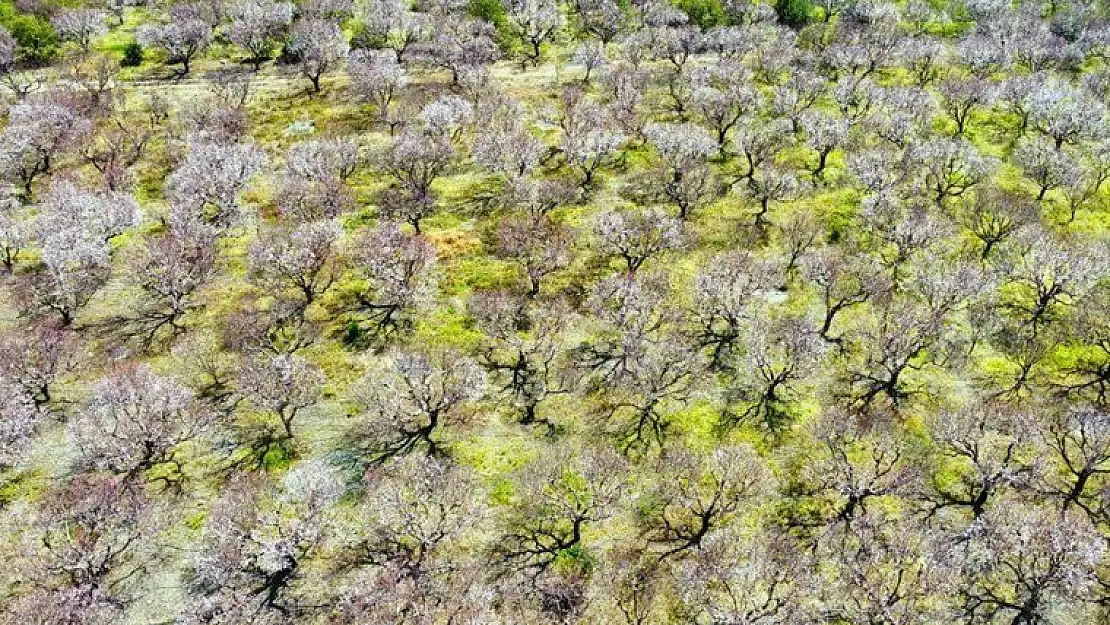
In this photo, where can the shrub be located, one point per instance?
(704, 13)
(132, 55)
(794, 13)
(37, 39)
(363, 39)
(490, 10)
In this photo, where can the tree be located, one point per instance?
(950, 167)
(883, 574)
(634, 237)
(725, 291)
(256, 25)
(133, 55)
(589, 141)
(778, 356)
(138, 422)
(771, 184)
(842, 283)
(409, 549)
(91, 539)
(184, 37)
(794, 13)
(762, 579)
(722, 97)
(902, 232)
(677, 44)
(19, 425)
(301, 259)
(400, 274)
(1022, 562)
(590, 55)
(801, 91)
(15, 229)
(901, 115)
(685, 179)
(73, 231)
(505, 144)
(1093, 174)
(408, 400)
(253, 559)
(96, 214)
(1078, 439)
(538, 244)
(1064, 114)
(758, 143)
(168, 272)
(641, 354)
(323, 160)
(534, 22)
(697, 495)
(36, 136)
(603, 19)
(328, 9)
(990, 448)
(215, 121)
(317, 45)
(1049, 167)
(961, 97)
(925, 56)
(117, 149)
(650, 381)
(994, 216)
(896, 343)
(867, 41)
(524, 351)
(392, 24)
(80, 26)
(36, 360)
(1044, 277)
(414, 160)
(884, 172)
(824, 133)
(31, 41)
(8, 47)
(854, 471)
(447, 116)
(281, 386)
(314, 179)
(626, 88)
(636, 316)
(556, 502)
(537, 197)
(379, 78)
(1087, 377)
(207, 184)
(460, 45)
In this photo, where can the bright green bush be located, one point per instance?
(704, 13)
(794, 12)
(132, 55)
(37, 39)
(490, 10)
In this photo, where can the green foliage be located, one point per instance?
(704, 13)
(132, 55)
(278, 457)
(493, 11)
(575, 560)
(490, 10)
(38, 41)
(355, 336)
(794, 13)
(363, 39)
